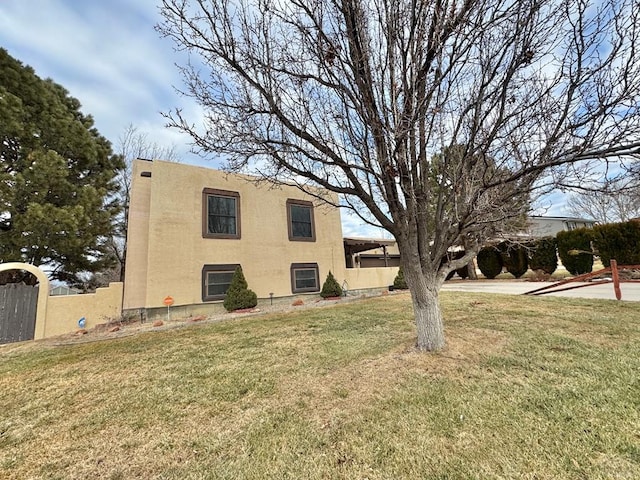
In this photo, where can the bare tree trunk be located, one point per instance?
(429, 325)
(426, 307)
(471, 270)
(471, 266)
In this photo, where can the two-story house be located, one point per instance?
(190, 227)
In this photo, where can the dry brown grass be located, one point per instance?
(526, 388)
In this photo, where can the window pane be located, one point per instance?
(222, 215)
(306, 278)
(218, 282)
(300, 214)
(301, 221)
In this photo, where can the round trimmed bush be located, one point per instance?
(514, 258)
(462, 272)
(543, 255)
(490, 262)
(576, 240)
(620, 241)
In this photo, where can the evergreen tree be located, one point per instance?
(331, 287)
(399, 283)
(56, 177)
(239, 296)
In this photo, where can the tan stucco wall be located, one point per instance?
(64, 311)
(57, 315)
(167, 252)
(362, 278)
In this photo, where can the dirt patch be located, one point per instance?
(351, 388)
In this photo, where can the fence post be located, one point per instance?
(616, 279)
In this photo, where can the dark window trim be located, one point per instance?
(304, 266)
(229, 267)
(205, 213)
(300, 203)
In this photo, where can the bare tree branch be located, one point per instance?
(437, 120)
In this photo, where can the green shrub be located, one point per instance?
(543, 255)
(239, 296)
(514, 258)
(330, 287)
(620, 241)
(578, 239)
(399, 283)
(490, 261)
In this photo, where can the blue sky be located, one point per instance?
(108, 55)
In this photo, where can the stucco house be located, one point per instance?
(190, 227)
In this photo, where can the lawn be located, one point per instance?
(532, 388)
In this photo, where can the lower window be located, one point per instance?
(216, 280)
(305, 277)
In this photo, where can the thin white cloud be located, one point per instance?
(107, 54)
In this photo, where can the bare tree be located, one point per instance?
(360, 97)
(132, 144)
(613, 201)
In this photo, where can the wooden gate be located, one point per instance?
(18, 306)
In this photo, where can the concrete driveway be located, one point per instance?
(630, 291)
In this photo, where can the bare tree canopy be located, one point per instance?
(617, 200)
(436, 120)
(131, 144)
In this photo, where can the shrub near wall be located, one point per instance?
(238, 295)
(578, 239)
(399, 283)
(620, 241)
(331, 288)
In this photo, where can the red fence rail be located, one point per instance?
(613, 269)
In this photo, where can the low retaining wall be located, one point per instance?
(64, 311)
(370, 278)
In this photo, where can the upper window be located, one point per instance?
(216, 280)
(220, 214)
(305, 277)
(300, 221)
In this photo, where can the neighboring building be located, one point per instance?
(190, 227)
(380, 253)
(64, 290)
(550, 226)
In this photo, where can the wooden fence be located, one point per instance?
(18, 306)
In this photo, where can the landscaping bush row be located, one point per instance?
(517, 258)
(576, 249)
(615, 240)
(239, 296)
(619, 241)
